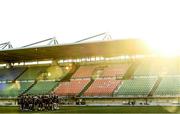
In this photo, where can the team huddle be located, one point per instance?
(38, 102)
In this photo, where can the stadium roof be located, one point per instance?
(76, 50)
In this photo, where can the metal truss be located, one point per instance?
(105, 34)
(6, 45)
(52, 41)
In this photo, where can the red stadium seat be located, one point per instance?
(115, 70)
(102, 87)
(72, 88)
(84, 72)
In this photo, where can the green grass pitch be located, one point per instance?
(101, 109)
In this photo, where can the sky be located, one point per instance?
(26, 21)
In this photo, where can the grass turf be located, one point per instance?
(102, 109)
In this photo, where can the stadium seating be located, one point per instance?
(33, 72)
(11, 73)
(102, 87)
(158, 67)
(42, 87)
(147, 68)
(84, 72)
(53, 73)
(115, 70)
(169, 86)
(169, 68)
(72, 88)
(136, 87)
(13, 89)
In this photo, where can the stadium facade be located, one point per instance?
(114, 72)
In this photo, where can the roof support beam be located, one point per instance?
(52, 40)
(91, 37)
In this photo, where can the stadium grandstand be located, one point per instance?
(111, 72)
